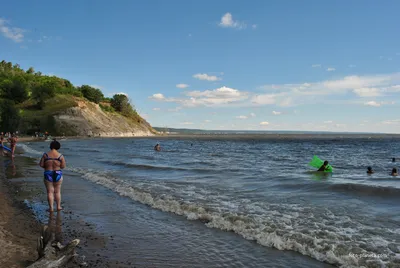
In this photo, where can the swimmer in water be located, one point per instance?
(394, 172)
(324, 166)
(157, 147)
(370, 171)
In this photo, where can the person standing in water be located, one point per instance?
(53, 162)
(13, 143)
(394, 172)
(2, 144)
(324, 166)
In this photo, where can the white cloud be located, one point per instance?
(219, 96)
(97, 86)
(284, 95)
(252, 114)
(13, 33)
(264, 99)
(316, 65)
(391, 122)
(156, 109)
(207, 121)
(254, 26)
(313, 92)
(352, 66)
(187, 123)
(368, 92)
(378, 104)
(276, 113)
(182, 85)
(328, 122)
(330, 69)
(241, 117)
(372, 103)
(158, 97)
(206, 77)
(228, 22)
(265, 123)
(118, 93)
(176, 109)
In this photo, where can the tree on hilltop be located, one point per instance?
(92, 94)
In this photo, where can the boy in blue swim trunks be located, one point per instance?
(53, 162)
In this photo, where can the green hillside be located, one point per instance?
(29, 100)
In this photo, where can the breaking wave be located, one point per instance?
(315, 232)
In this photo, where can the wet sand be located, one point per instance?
(18, 229)
(23, 212)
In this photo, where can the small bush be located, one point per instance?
(107, 108)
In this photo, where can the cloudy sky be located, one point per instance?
(255, 65)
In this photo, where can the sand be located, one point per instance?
(18, 230)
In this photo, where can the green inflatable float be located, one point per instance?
(317, 163)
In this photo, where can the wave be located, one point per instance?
(29, 150)
(326, 237)
(366, 189)
(141, 166)
(152, 167)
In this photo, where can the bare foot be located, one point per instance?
(59, 209)
(49, 210)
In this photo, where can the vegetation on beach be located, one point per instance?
(29, 99)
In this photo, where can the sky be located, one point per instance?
(224, 65)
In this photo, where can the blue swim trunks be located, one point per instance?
(53, 175)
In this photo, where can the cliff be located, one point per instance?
(75, 116)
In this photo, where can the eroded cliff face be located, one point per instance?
(89, 119)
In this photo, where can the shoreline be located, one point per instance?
(19, 228)
(244, 136)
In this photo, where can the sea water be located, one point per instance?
(241, 201)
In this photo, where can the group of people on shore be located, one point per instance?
(10, 138)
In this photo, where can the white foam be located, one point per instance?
(327, 237)
(29, 150)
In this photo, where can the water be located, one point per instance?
(259, 190)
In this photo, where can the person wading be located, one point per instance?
(52, 162)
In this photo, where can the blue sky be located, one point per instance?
(260, 65)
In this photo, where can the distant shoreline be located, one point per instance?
(244, 136)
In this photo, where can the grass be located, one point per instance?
(54, 105)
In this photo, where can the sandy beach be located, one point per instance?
(18, 229)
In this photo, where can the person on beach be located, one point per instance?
(370, 171)
(53, 162)
(13, 143)
(324, 166)
(394, 172)
(157, 147)
(2, 144)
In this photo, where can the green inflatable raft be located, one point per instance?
(317, 163)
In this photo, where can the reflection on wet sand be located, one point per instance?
(55, 226)
(10, 163)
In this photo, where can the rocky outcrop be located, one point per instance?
(88, 119)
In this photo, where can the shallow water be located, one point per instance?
(259, 190)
